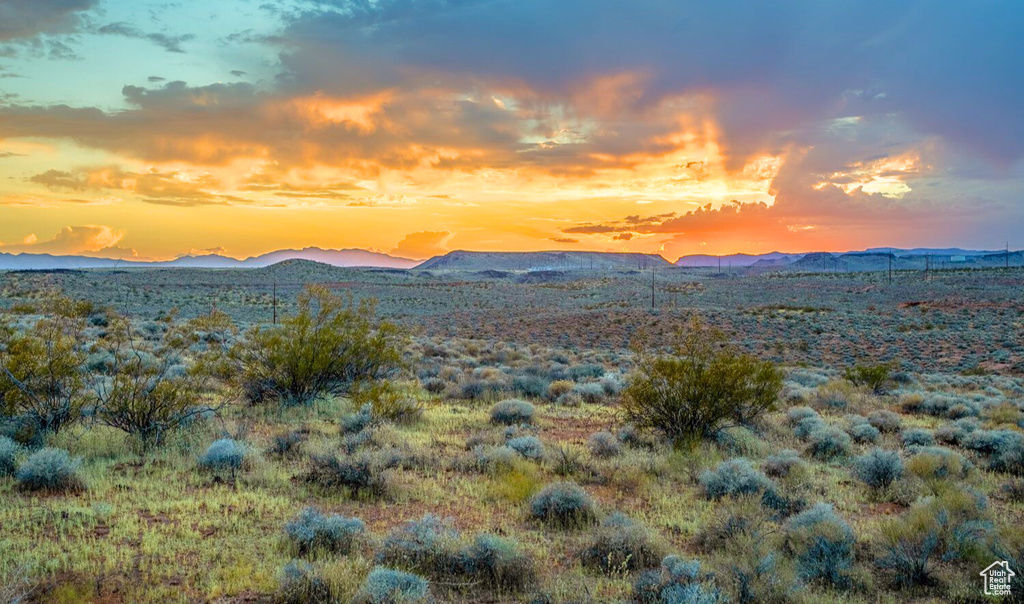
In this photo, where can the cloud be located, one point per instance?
(564, 240)
(164, 188)
(69, 240)
(20, 19)
(422, 245)
(170, 43)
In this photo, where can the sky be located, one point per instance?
(151, 130)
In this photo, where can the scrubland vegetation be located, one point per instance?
(353, 454)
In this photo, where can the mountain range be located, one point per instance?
(463, 260)
(340, 258)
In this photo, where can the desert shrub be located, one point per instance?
(532, 386)
(885, 421)
(611, 383)
(313, 531)
(591, 392)
(796, 414)
(937, 463)
(435, 385)
(863, 433)
(878, 469)
(224, 455)
(808, 425)
(42, 376)
(389, 586)
(324, 348)
(9, 452)
(739, 440)
(388, 402)
(50, 470)
(512, 412)
(731, 478)
(499, 565)
(632, 437)
(559, 388)
(822, 544)
(954, 433)
(678, 582)
(363, 474)
(917, 437)
(784, 463)
(603, 444)
(697, 391)
(620, 545)
(586, 371)
(563, 505)
(1013, 490)
(356, 422)
(428, 544)
(567, 459)
(874, 377)
(529, 447)
(157, 385)
(299, 584)
(1004, 448)
(286, 443)
(493, 459)
(950, 527)
(829, 443)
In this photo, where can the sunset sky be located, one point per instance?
(155, 129)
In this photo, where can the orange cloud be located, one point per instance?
(422, 245)
(69, 240)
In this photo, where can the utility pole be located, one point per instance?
(652, 287)
(719, 265)
(275, 302)
(1007, 254)
(890, 266)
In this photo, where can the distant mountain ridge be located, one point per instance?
(463, 260)
(344, 258)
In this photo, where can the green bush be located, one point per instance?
(697, 391)
(388, 402)
(326, 347)
(156, 385)
(875, 377)
(563, 505)
(42, 374)
(50, 470)
(885, 421)
(784, 463)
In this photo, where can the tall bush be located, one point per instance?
(704, 386)
(326, 347)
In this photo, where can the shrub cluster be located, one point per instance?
(878, 469)
(733, 477)
(822, 544)
(390, 586)
(313, 531)
(50, 470)
(620, 545)
(563, 505)
(512, 412)
(367, 473)
(9, 452)
(604, 444)
(678, 582)
(224, 455)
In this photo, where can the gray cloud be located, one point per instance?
(170, 43)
